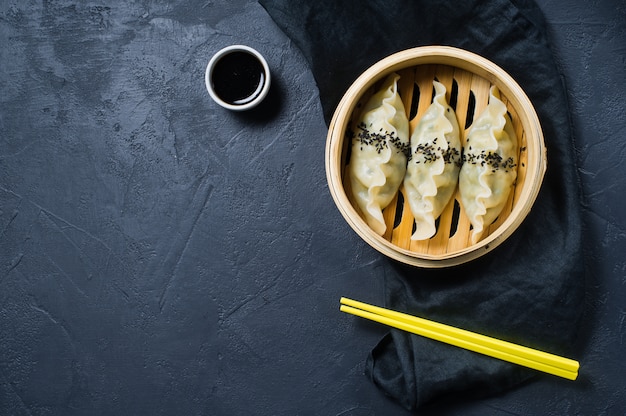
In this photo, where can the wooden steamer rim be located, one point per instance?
(535, 165)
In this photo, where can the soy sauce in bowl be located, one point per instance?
(237, 77)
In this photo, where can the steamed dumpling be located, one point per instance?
(378, 159)
(489, 165)
(434, 163)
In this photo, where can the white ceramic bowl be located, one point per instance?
(256, 96)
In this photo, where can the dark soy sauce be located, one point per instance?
(238, 77)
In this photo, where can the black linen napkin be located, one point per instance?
(530, 289)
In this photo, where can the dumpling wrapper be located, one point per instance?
(378, 159)
(433, 168)
(489, 166)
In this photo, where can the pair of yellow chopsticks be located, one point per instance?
(528, 357)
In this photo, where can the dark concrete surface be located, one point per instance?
(160, 255)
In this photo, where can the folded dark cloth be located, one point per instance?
(528, 290)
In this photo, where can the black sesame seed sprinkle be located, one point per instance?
(380, 140)
(491, 159)
(428, 153)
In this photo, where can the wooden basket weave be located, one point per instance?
(467, 78)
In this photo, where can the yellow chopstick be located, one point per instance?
(528, 357)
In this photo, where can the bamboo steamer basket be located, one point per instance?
(467, 78)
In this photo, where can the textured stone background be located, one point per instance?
(160, 255)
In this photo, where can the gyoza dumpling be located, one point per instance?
(433, 168)
(378, 159)
(489, 165)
